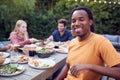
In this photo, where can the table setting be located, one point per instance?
(10, 66)
(30, 61)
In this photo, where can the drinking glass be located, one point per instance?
(14, 58)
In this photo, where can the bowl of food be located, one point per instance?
(43, 53)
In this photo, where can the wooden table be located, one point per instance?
(37, 74)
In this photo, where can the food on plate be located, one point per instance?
(41, 63)
(23, 58)
(4, 54)
(36, 63)
(2, 60)
(43, 51)
(45, 66)
(8, 69)
(60, 50)
(1, 54)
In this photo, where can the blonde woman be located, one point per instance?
(20, 35)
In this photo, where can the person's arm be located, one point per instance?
(22, 43)
(111, 72)
(49, 39)
(14, 40)
(6, 48)
(29, 41)
(63, 73)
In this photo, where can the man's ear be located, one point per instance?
(91, 22)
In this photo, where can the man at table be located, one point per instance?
(62, 34)
(89, 52)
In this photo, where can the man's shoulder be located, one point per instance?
(74, 40)
(67, 30)
(55, 31)
(98, 36)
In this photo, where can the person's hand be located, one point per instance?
(32, 40)
(10, 47)
(41, 43)
(79, 68)
(2, 60)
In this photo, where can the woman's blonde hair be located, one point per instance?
(17, 25)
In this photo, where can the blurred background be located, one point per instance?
(42, 15)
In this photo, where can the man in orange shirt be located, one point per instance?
(89, 52)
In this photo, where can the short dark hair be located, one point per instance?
(63, 21)
(90, 15)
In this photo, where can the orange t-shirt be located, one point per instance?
(97, 50)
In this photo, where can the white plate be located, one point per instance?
(22, 69)
(7, 61)
(62, 50)
(43, 62)
(5, 54)
(23, 62)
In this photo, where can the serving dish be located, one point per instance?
(44, 53)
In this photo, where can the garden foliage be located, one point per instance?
(41, 22)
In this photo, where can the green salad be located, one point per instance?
(8, 69)
(43, 51)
